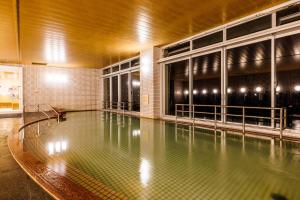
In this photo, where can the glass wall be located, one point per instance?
(288, 78)
(249, 80)
(106, 88)
(135, 90)
(124, 90)
(176, 85)
(115, 91)
(207, 84)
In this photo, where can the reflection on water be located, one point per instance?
(152, 159)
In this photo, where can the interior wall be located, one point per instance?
(68, 88)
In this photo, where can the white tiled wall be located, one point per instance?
(150, 83)
(69, 88)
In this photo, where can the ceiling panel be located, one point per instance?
(95, 33)
(8, 34)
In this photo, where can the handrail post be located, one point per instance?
(284, 117)
(244, 120)
(281, 123)
(176, 112)
(193, 114)
(215, 117)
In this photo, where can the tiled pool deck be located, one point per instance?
(15, 184)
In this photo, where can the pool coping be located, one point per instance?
(44, 176)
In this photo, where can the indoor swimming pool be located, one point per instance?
(139, 158)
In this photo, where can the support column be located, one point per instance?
(150, 83)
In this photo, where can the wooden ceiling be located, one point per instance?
(95, 33)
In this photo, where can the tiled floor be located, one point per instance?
(14, 183)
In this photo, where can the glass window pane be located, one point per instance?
(135, 89)
(253, 26)
(106, 88)
(177, 85)
(288, 15)
(207, 84)
(115, 68)
(249, 80)
(115, 92)
(288, 78)
(106, 71)
(124, 90)
(125, 65)
(177, 49)
(135, 62)
(208, 40)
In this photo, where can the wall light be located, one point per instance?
(243, 90)
(56, 78)
(297, 88)
(204, 91)
(186, 92)
(195, 91)
(215, 91)
(229, 90)
(258, 89)
(278, 89)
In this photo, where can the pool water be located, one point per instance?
(153, 159)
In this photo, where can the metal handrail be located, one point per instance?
(190, 108)
(110, 105)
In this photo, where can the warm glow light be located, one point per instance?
(215, 91)
(258, 89)
(145, 172)
(204, 91)
(297, 88)
(56, 78)
(136, 83)
(229, 90)
(186, 92)
(243, 89)
(195, 91)
(57, 147)
(143, 28)
(278, 89)
(136, 133)
(178, 92)
(55, 50)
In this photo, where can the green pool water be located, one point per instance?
(153, 159)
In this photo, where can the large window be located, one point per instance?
(207, 84)
(106, 88)
(115, 91)
(288, 78)
(177, 85)
(249, 80)
(135, 90)
(124, 90)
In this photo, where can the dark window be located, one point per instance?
(208, 40)
(115, 68)
(135, 89)
(124, 90)
(177, 85)
(253, 26)
(106, 71)
(177, 49)
(135, 62)
(249, 81)
(106, 87)
(115, 92)
(125, 65)
(207, 84)
(288, 78)
(288, 15)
